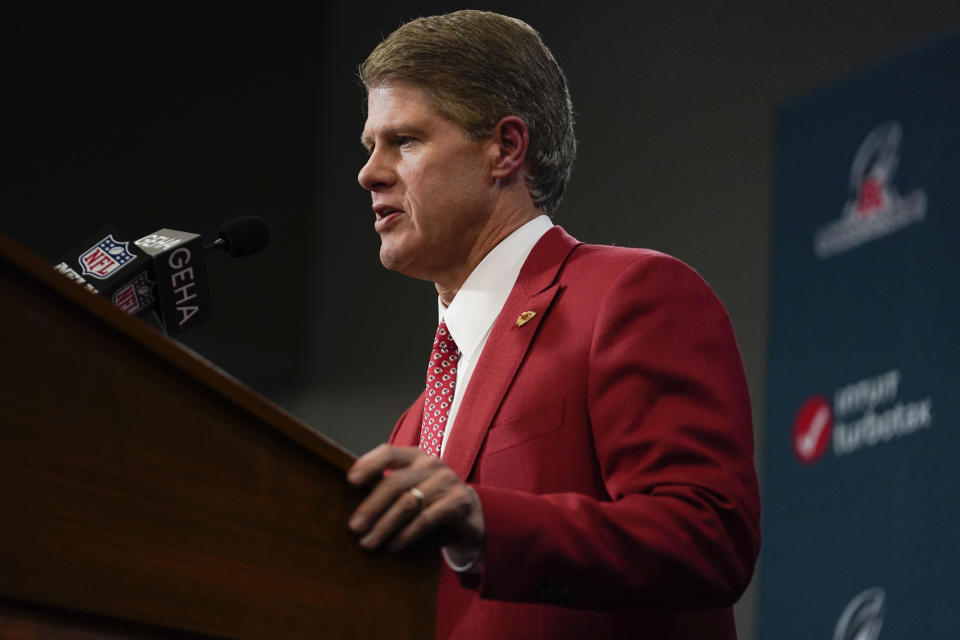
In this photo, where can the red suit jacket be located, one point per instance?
(610, 441)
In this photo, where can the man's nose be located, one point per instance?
(375, 173)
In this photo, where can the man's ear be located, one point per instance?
(511, 139)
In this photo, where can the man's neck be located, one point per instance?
(489, 238)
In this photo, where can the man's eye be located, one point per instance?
(404, 141)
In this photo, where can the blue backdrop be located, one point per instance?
(862, 489)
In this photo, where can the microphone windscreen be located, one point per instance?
(245, 236)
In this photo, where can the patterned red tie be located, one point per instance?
(441, 379)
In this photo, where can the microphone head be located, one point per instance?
(243, 236)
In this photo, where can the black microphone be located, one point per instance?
(164, 271)
(242, 237)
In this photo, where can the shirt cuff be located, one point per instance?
(463, 563)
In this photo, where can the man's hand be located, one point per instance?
(395, 515)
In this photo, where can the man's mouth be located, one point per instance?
(384, 213)
(385, 216)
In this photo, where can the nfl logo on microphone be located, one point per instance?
(105, 257)
(136, 295)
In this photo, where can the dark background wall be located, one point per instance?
(151, 120)
(184, 119)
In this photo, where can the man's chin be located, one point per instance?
(387, 257)
(393, 259)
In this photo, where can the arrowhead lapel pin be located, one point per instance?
(525, 317)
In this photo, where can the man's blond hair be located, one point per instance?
(477, 67)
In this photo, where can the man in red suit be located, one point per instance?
(585, 439)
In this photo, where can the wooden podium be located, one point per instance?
(146, 494)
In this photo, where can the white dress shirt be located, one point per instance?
(477, 304)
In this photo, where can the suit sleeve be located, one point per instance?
(670, 418)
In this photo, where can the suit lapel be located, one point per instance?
(506, 347)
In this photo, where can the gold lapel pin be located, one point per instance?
(525, 317)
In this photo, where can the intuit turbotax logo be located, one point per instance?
(875, 208)
(865, 414)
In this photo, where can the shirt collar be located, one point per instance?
(481, 297)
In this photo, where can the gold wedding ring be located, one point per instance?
(416, 493)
